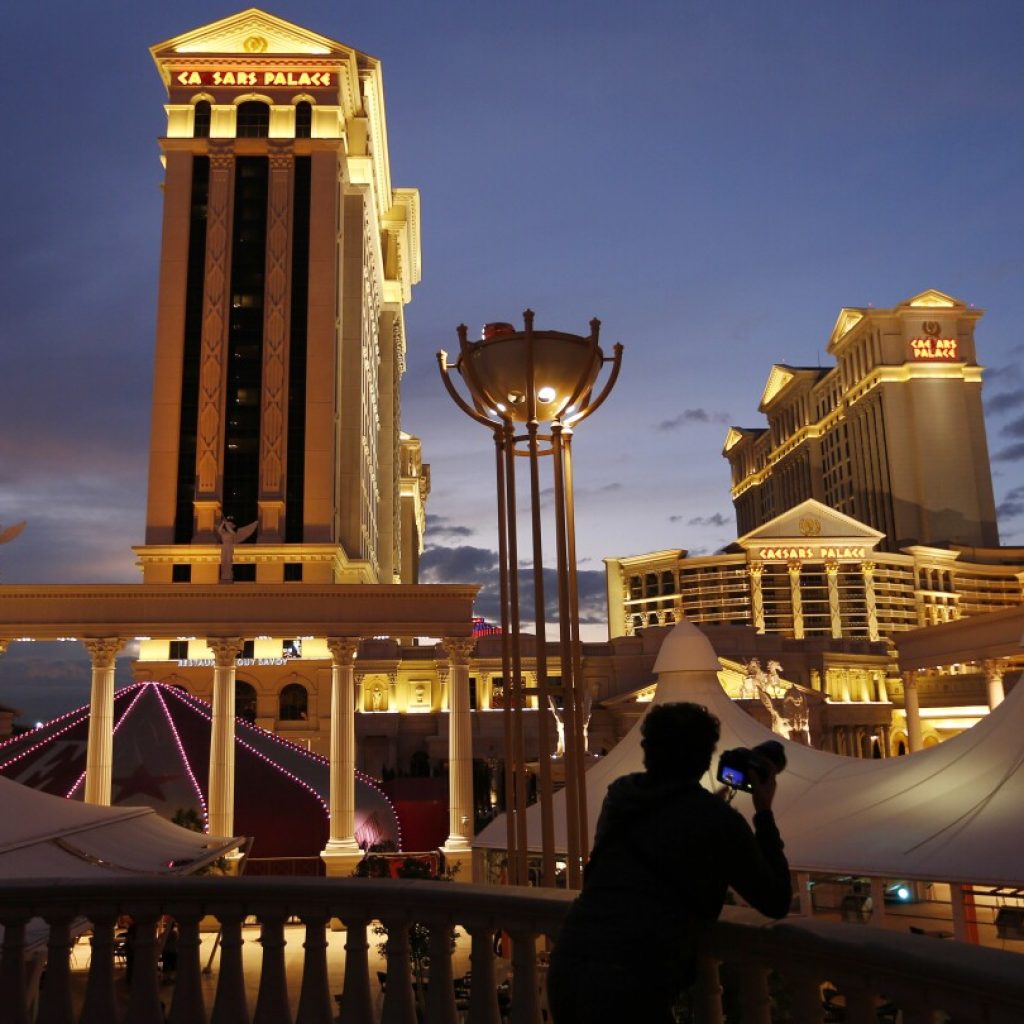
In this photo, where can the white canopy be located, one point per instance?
(948, 813)
(44, 836)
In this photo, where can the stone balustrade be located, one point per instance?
(787, 962)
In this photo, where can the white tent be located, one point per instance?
(43, 836)
(949, 813)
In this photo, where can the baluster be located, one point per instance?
(272, 1000)
(315, 994)
(229, 1005)
(99, 991)
(399, 1005)
(483, 989)
(441, 993)
(187, 1005)
(55, 995)
(805, 996)
(12, 972)
(525, 994)
(356, 1004)
(144, 1005)
(708, 991)
(754, 999)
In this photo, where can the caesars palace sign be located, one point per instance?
(809, 554)
(264, 77)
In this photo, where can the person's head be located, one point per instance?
(678, 740)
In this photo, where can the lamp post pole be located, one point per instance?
(518, 381)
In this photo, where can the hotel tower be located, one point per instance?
(286, 261)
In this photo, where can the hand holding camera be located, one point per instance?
(753, 770)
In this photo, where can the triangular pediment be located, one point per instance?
(812, 526)
(733, 438)
(779, 377)
(250, 33)
(846, 321)
(932, 299)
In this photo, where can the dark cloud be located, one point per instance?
(441, 526)
(688, 416)
(1015, 428)
(713, 520)
(1012, 505)
(479, 566)
(1012, 453)
(1005, 401)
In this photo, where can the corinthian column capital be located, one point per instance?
(103, 650)
(459, 649)
(225, 650)
(343, 649)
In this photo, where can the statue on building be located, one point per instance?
(560, 726)
(230, 535)
(767, 686)
(749, 686)
(377, 698)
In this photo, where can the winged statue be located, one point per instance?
(230, 535)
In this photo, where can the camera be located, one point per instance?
(736, 766)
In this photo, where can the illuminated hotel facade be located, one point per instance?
(865, 508)
(892, 435)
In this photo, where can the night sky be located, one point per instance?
(713, 180)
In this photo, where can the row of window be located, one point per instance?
(253, 120)
(243, 573)
(177, 650)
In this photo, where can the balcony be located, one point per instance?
(865, 974)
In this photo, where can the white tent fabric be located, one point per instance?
(44, 836)
(949, 813)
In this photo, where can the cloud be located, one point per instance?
(713, 520)
(1005, 401)
(479, 566)
(688, 416)
(441, 526)
(1012, 453)
(1012, 505)
(1015, 428)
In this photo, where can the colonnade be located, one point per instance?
(342, 850)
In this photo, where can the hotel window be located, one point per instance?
(248, 649)
(253, 120)
(181, 573)
(245, 700)
(293, 704)
(304, 120)
(291, 649)
(177, 650)
(201, 124)
(243, 573)
(293, 572)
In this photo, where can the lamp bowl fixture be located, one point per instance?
(527, 375)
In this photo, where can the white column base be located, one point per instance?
(341, 857)
(459, 860)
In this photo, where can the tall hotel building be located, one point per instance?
(286, 261)
(865, 506)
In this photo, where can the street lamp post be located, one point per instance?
(531, 388)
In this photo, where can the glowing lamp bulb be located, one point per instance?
(546, 395)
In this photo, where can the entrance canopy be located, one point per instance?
(43, 836)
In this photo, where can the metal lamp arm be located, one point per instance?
(616, 361)
(442, 362)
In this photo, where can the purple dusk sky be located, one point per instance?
(714, 181)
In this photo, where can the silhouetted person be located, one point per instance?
(665, 851)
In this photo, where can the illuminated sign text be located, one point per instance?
(935, 348)
(805, 554)
(266, 77)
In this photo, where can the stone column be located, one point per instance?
(912, 708)
(834, 610)
(867, 572)
(994, 682)
(342, 852)
(755, 570)
(883, 740)
(797, 600)
(99, 756)
(460, 748)
(221, 791)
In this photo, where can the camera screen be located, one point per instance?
(731, 776)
